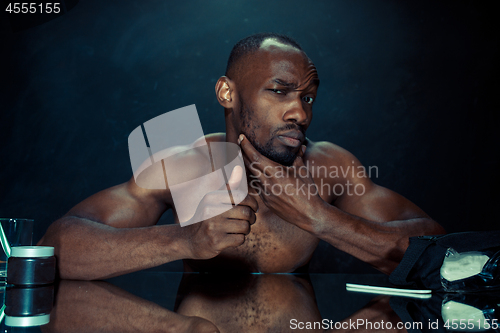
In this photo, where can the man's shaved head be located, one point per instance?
(249, 45)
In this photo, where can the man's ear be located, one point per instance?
(224, 91)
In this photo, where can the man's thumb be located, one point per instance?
(299, 160)
(236, 176)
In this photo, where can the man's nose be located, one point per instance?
(296, 113)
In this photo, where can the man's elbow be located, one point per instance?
(61, 236)
(432, 228)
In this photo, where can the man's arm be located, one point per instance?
(373, 223)
(374, 227)
(113, 232)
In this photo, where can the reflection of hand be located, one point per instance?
(221, 228)
(83, 306)
(289, 192)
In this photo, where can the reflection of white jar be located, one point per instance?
(31, 265)
(28, 306)
(27, 321)
(456, 313)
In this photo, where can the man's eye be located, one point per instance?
(308, 99)
(278, 91)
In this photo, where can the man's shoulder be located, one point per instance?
(216, 137)
(178, 164)
(327, 153)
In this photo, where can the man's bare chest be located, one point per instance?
(274, 245)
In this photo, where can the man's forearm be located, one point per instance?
(88, 250)
(380, 244)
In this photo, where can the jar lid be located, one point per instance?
(32, 251)
(27, 321)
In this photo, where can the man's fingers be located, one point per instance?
(210, 211)
(220, 197)
(250, 154)
(249, 201)
(253, 157)
(244, 213)
(232, 240)
(237, 227)
(302, 151)
(299, 160)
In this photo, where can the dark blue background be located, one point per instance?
(408, 86)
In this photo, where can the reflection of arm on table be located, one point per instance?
(102, 307)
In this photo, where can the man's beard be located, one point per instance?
(248, 128)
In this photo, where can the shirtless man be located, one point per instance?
(267, 94)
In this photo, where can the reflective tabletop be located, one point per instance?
(153, 301)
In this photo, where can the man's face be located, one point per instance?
(276, 93)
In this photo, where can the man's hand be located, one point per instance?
(289, 192)
(227, 228)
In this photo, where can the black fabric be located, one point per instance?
(424, 315)
(423, 259)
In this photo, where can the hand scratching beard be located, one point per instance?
(284, 157)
